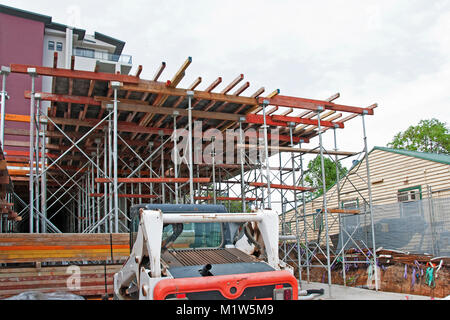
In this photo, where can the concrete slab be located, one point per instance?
(339, 292)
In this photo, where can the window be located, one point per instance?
(51, 45)
(59, 46)
(286, 227)
(194, 235)
(409, 194)
(350, 204)
(83, 52)
(318, 220)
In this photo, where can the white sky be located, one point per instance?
(394, 53)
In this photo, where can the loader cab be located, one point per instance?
(202, 262)
(186, 235)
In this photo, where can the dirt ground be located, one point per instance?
(392, 279)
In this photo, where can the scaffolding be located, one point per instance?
(109, 141)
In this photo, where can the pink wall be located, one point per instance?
(21, 41)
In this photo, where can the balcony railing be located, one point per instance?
(89, 53)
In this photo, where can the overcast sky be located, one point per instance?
(394, 53)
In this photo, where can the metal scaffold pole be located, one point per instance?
(190, 94)
(42, 135)
(110, 173)
(213, 159)
(266, 155)
(37, 161)
(92, 185)
(369, 188)
(79, 220)
(242, 160)
(163, 185)
(198, 176)
(97, 142)
(305, 232)
(115, 86)
(294, 180)
(33, 75)
(140, 188)
(83, 205)
(4, 71)
(150, 146)
(87, 201)
(283, 207)
(175, 154)
(338, 188)
(105, 185)
(324, 209)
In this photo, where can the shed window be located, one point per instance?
(350, 204)
(59, 46)
(51, 45)
(409, 194)
(318, 220)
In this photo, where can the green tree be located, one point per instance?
(313, 175)
(428, 136)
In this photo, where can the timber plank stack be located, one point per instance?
(24, 247)
(56, 279)
(40, 262)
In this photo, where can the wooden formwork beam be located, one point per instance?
(159, 71)
(152, 180)
(131, 196)
(45, 96)
(282, 121)
(344, 211)
(74, 74)
(280, 186)
(312, 104)
(226, 198)
(297, 150)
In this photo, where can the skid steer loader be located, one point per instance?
(200, 252)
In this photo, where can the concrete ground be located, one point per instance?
(339, 292)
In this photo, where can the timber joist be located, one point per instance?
(342, 211)
(152, 180)
(279, 186)
(130, 196)
(74, 74)
(311, 104)
(226, 198)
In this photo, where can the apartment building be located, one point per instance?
(34, 39)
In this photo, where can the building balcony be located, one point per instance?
(105, 56)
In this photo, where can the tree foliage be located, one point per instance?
(428, 136)
(313, 176)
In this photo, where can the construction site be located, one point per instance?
(94, 155)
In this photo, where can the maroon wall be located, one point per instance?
(21, 41)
